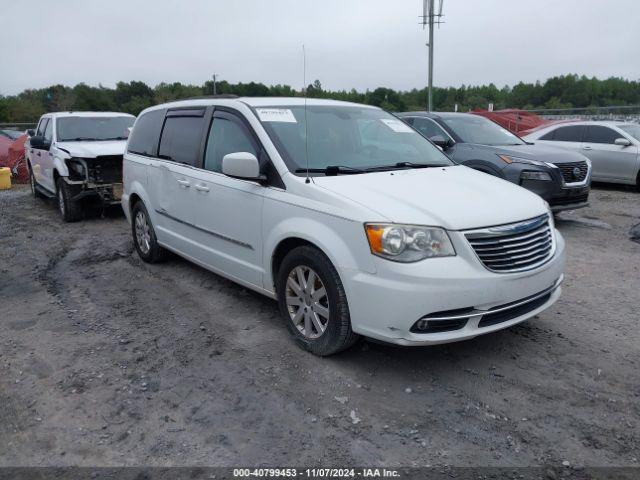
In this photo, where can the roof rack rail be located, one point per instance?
(221, 95)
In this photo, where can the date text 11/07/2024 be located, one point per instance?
(316, 472)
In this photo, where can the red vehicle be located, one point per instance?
(520, 122)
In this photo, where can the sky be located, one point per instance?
(361, 44)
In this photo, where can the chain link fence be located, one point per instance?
(627, 113)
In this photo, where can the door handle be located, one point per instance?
(38, 154)
(586, 147)
(184, 183)
(202, 188)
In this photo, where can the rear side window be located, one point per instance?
(181, 138)
(146, 132)
(599, 134)
(565, 134)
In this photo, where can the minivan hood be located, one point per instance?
(93, 149)
(541, 153)
(456, 198)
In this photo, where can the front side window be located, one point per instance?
(476, 129)
(70, 129)
(226, 136)
(351, 137)
(600, 134)
(429, 128)
(48, 132)
(181, 138)
(42, 127)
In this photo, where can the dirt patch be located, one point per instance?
(105, 360)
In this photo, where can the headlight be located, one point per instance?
(544, 176)
(511, 159)
(77, 169)
(408, 243)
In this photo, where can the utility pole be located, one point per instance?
(430, 18)
(214, 83)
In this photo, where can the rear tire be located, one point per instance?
(144, 236)
(70, 210)
(313, 302)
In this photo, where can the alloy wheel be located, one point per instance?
(32, 181)
(143, 235)
(61, 204)
(307, 302)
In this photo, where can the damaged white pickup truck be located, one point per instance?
(76, 157)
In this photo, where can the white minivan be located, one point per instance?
(352, 220)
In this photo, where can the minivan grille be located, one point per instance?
(573, 172)
(514, 247)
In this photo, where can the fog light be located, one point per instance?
(427, 325)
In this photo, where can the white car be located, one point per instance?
(612, 147)
(353, 231)
(77, 157)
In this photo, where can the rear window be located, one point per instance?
(146, 133)
(565, 134)
(181, 138)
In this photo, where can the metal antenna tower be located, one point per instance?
(215, 90)
(431, 17)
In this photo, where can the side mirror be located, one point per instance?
(31, 132)
(242, 165)
(39, 143)
(440, 141)
(623, 142)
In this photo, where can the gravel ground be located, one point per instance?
(105, 360)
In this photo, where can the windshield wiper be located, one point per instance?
(80, 139)
(404, 165)
(114, 138)
(333, 170)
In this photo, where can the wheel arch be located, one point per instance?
(284, 247)
(348, 250)
(484, 166)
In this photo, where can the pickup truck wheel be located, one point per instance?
(144, 236)
(313, 302)
(70, 210)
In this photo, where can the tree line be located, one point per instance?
(565, 91)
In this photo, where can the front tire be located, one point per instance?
(69, 209)
(313, 302)
(33, 184)
(144, 236)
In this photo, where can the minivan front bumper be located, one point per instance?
(388, 304)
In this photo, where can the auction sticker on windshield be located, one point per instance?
(276, 115)
(396, 125)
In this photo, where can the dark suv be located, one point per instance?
(562, 178)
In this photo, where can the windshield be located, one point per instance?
(633, 130)
(93, 128)
(475, 129)
(350, 137)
